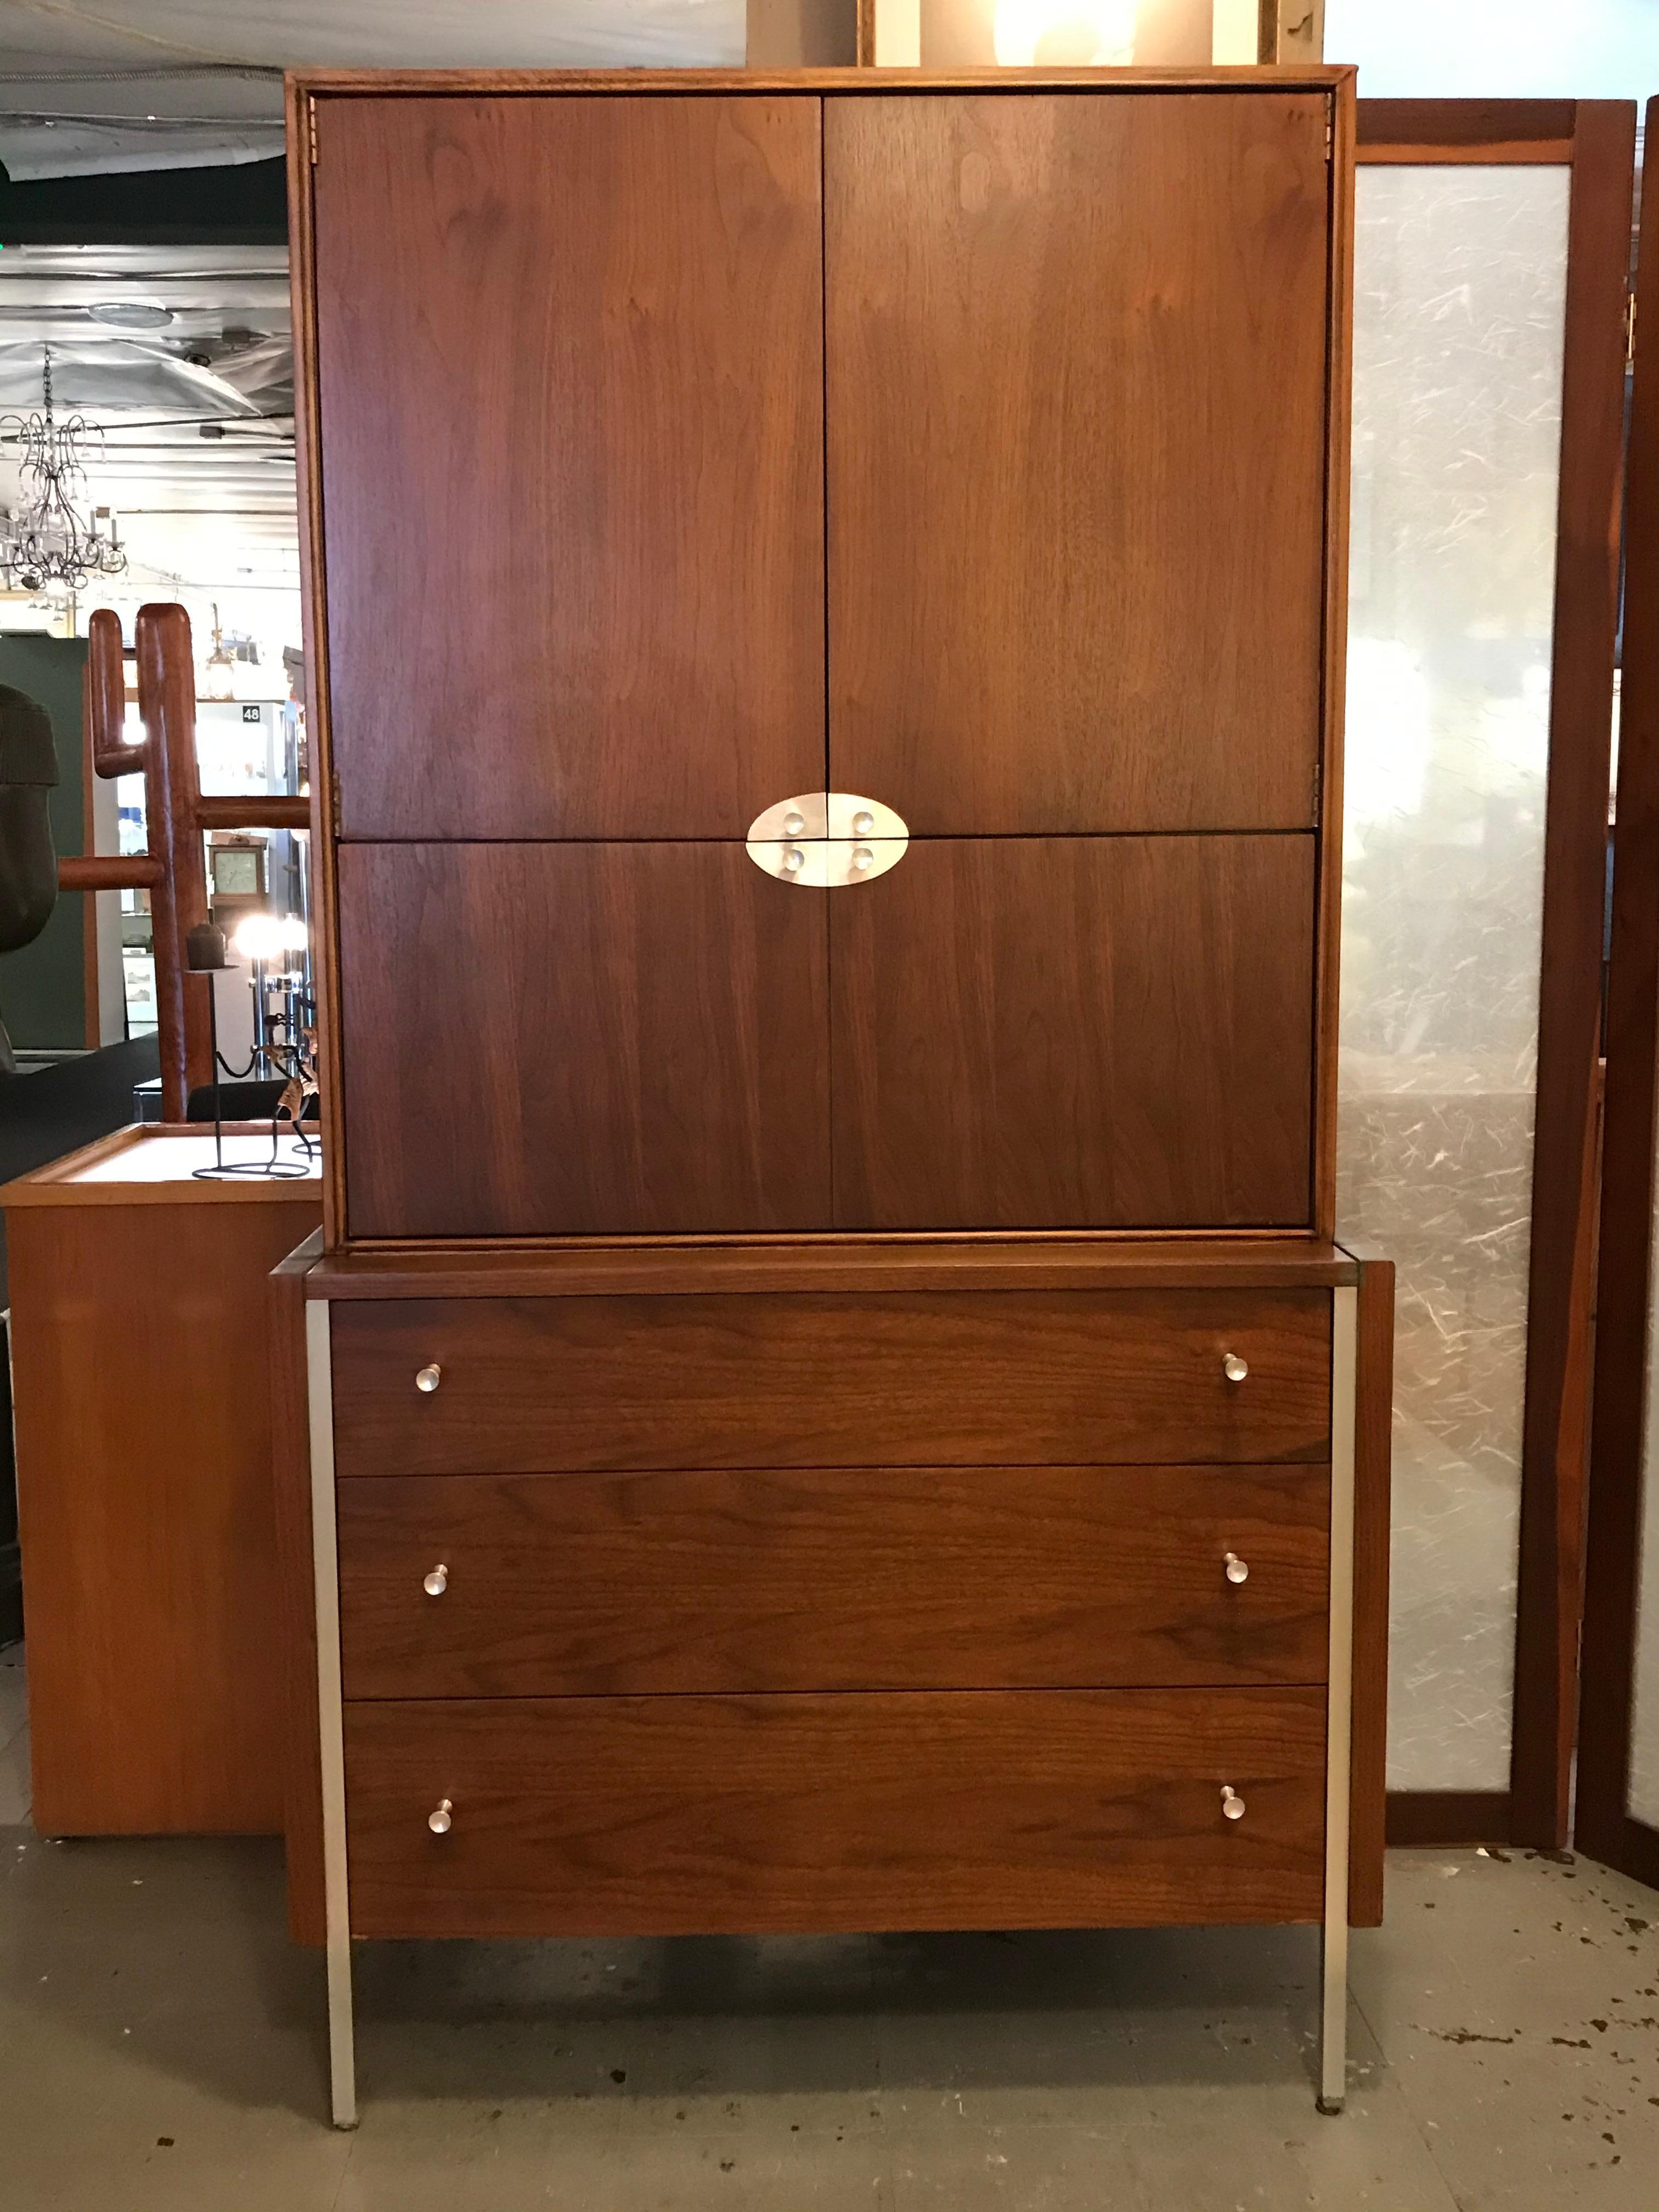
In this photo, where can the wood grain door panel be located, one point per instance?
(907, 1379)
(826, 1578)
(1088, 1032)
(1076, 362)
(571, 389)
(615, 1816)
(580, 1038)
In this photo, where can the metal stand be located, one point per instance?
(342, 2057)
(1333, 1946)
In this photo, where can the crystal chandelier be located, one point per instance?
(47, 542)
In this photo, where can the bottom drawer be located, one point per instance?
(681, 1815)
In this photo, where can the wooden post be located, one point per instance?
(167, 702)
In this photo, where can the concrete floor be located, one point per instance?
(163, 2050)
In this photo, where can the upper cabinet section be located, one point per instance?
(1077, 455)
(570, 384)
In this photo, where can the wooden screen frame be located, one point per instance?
(1595, 139)
(1603, 1825)
(1336, 83)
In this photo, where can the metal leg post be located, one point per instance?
(341, 2059)
(1334, 1948)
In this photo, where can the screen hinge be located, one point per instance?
(1630, 328)
(1319, 788)
(311, 128)
(334, 798)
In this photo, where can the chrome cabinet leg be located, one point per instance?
(324, 1552)
(1334, 1948)
(1333, 2020)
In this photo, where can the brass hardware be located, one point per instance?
(1237, 1570)
(1232, 1805)
(427, 1379)
(437, 1582)
(823, 839)
(867, 819)
(804, 816)
(438, 1818)
(1234, 1368)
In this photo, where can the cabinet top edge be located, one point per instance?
(330, 83)
(621, 1270)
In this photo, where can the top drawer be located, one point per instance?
(899, 1379)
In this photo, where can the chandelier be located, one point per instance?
(47, 542)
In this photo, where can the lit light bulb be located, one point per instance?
(293, 933)
(258, 937)
(1064, 34)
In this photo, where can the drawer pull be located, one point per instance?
(1238, 1571)
(437, 1582)
(1232, 1805)
(427, 1379)
(438, 1818)
(1234, 1368)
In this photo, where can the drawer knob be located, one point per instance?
(1234, 1368)
(1238, 1571)
(793, 861)
(793, 822)
(437, 1582)
(863, 859)
(1232, 1805)
(438, 1818)
(427, 1379)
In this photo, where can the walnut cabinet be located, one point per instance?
(830, 1400)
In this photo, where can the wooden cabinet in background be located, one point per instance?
(140, 1376)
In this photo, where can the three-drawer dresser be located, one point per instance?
(826, 1398)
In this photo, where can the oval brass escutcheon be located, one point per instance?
(825, 840)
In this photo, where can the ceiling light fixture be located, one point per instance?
(132, 314)
(47, 542)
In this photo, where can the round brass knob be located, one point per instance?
(437, 1582)
(793, 823)
(1238, 1571)
(1232, 1805)
(1234, 1368)
(863, 857)
(438, 1818)
(793, 861)
(863, 823)
(427, 1379)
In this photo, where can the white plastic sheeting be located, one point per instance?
(145, 84)
(1460, 296)
(1643, 1795)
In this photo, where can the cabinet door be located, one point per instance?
(1077, 1032)
(1076, 390)
(564, 1039)
(569, 361)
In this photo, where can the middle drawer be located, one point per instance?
(840, 1578)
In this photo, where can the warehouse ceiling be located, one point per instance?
(181, 357)
(129, 84)
(192, 410)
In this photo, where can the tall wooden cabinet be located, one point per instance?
(831, 1393)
